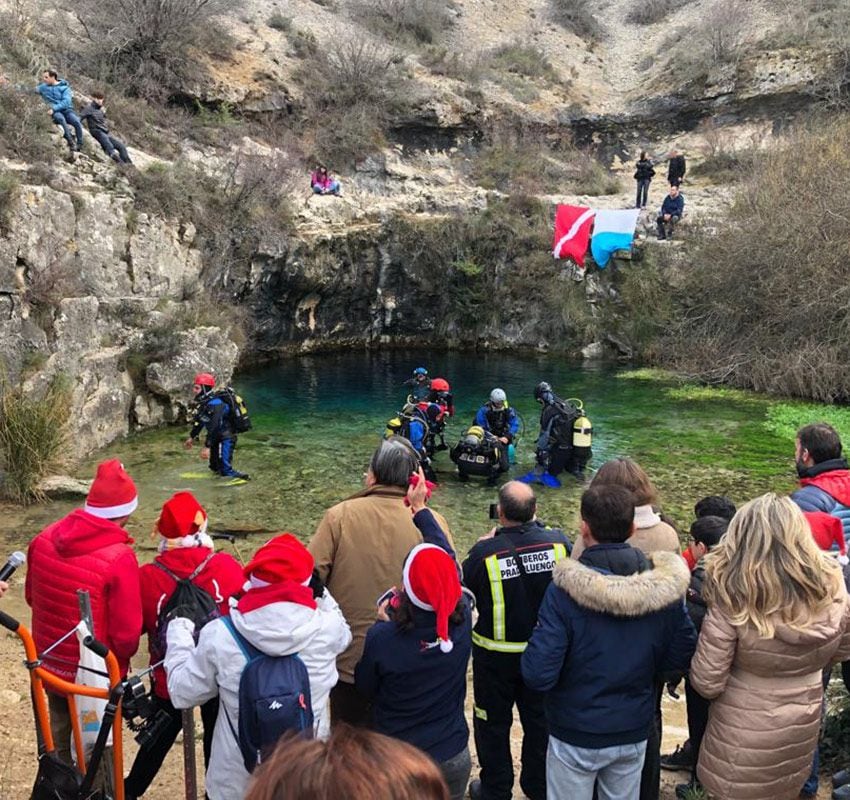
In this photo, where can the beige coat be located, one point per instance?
(650, 536)
(765, 716)
(359, 549)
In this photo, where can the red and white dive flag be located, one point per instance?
(572, 232)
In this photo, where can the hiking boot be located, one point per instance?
(842, 793)
(681, 758)
(475, 789)
(115, 157)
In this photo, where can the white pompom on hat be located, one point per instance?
(113, 493)
(432, 584)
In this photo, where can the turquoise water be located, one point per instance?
(318, 418)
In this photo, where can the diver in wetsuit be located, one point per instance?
(499, 419)
(213, 413)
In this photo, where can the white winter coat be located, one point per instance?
(214, 667)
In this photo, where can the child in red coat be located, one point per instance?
(184, 546)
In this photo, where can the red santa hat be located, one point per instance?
(432, 584)
(827, 531)
(283, 558)
(181, 515)
(113, 493)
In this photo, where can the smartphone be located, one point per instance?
(494, 511)
(387, 595)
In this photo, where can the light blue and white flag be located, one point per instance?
(612, 230)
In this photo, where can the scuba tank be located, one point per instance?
(582, 435)
(393, 427)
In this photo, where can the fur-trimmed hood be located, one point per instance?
(625, 595)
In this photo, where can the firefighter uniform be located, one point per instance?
(508, 602)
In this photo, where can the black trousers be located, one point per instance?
(650, 777)
(349, 706)
(497, 686)
(697, 720)
(149, 759)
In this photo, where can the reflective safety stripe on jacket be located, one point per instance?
(498, 643)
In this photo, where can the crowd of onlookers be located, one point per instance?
(379, 619)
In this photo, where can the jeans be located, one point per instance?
(642, 192)
(456, 772)
(67, 117)
(572, 772)
(110, 144)
(332, 189)
(221, 457)
(665, 227)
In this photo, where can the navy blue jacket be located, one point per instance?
(826, 487)
(418, 693)
(673, 205)
(213, 414)
(600, 647)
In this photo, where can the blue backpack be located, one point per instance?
(274, 698)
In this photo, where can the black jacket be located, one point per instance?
(644, 170)
(95, 117)
(561, 417)
(676, 169)
(696, 605)
(607, 629)
(491, 559)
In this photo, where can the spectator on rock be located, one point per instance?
(94, 115)
(601, 694)
(644, 172)
(777, 615)
(672, 211)
(57, 94)
(88, 549)
(185, 550)
(676, 168)
(323, 182)
(282, 612)
(352, 764)
(359, 547)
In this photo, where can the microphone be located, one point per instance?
(15, 560)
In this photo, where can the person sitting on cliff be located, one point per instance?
(323, 182)
(672, 210)
(94, 115)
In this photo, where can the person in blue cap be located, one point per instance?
(420, 385)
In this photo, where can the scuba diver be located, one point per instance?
(502, 421)
(479, 452)
(218, 413)
(420, 385)
(564, 440)
(412, 423)
(438, 406)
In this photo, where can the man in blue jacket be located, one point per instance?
(57, 94)
(610, 624)
(672, 210)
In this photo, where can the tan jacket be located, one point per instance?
(359, 548)
(765, 716)
(650, 536)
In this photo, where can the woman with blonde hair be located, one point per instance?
(651, 533)
(777, 616)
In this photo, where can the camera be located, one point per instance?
(494, 511)
(141, 714)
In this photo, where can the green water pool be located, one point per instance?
(318, 418)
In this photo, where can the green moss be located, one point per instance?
(646, 374)
(690, 391)
(785, 419)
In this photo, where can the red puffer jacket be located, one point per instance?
(82, 551)
(221, 578)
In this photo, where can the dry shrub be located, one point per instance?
(420, 21)
(523, 58)
(8, 199)
(25, 127)
(766, 304)
(352, 88)
(151, 47)
(576, 16)
(33, 431)
(719, 28)
(648, 12)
